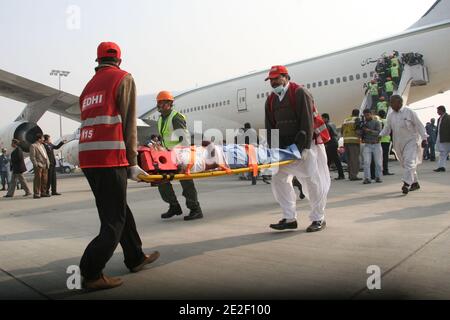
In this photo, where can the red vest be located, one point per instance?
(321, 134)
(101, 135)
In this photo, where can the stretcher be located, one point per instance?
(161, 165)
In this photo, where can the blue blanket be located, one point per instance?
(236, 155)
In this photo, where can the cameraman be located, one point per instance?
(370, 129)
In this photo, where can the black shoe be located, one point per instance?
(36, 197)
(194, 214)
(388, 174)
(340, 178)
(173, 210)
(302, 196)
(316, 226)
(405, 188)
(56, 194)
(367, 181)
(378, 180)
(282, 225)
(415, 186)
(355, 179)
(45, 195)
(441, 169)
(7, 196)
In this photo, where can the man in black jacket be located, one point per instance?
(18, 168)
(49, 147)
(443, 138)
(332, 146)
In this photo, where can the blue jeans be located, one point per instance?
(377, 152)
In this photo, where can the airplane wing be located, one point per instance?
(25, 90)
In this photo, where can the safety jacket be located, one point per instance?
(101, 142)
(321, 134)
(382, 105)
(389, 86)
(349, 131)
(373, 88)
(166, 130)
(385, 139)
(395, 72)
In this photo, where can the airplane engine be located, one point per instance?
(69, 152)
(23, 131)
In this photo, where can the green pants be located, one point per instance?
(189, 192)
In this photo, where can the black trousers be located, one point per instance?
(51, 181)
(189, 192)
(386, 146)
(333, 157)
(117, 225)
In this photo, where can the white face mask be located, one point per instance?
(279, 89)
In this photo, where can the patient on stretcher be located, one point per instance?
(197, 159)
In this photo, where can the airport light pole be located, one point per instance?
(59, 73)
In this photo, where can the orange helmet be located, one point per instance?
(164, 95)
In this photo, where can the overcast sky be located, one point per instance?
(181, 44)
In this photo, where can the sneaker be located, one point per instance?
(405, 188)
(316, 226)
(415, 186)
(441, 169)
(378, 180)
(367, 181)
(282, 225)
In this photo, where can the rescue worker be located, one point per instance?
(382, 105)
(395, 73)
(385, 144)
(107, 154)
(290, 109)
(373, 90)
(169, 121)
(407, 134)
(352, 145)
(389, 88)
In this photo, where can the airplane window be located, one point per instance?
(372, 73)
(257, 96)
(308, 86)
(201, 108)
(338, 80)
(217, 104)
(220, 103)
(319, 84)
(267, 94)
(209, 106)
(344, 79)
(331, 81)
(358, 76)
(365, 75)
(350, 78)
(314, 85)
(325, 83)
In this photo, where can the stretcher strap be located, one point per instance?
(191, 161)
(252, 161)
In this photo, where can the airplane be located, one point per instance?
(335, 80)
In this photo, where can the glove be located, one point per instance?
(424, 143)
(134, 172)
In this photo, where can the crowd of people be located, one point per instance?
(42, 157)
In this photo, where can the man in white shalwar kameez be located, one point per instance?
(409, 138)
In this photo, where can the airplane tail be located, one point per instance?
(439, 12)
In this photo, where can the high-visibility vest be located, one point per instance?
(166, 130)
(389, 86)
(382, 105)
(395, 61)
(349, 131)
(395, 72)
(321, 134)
(101, 142)
(385, 139)
(373, 87)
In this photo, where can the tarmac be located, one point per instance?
(232, 253)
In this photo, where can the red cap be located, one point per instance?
(276, 71)
(108, 49)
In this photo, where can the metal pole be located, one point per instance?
(60, 117)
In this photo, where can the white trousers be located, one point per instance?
(409, 160)
(444, 150)
(312, 172)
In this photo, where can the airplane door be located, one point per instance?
(242, 100)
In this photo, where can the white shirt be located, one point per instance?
(405, 126)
